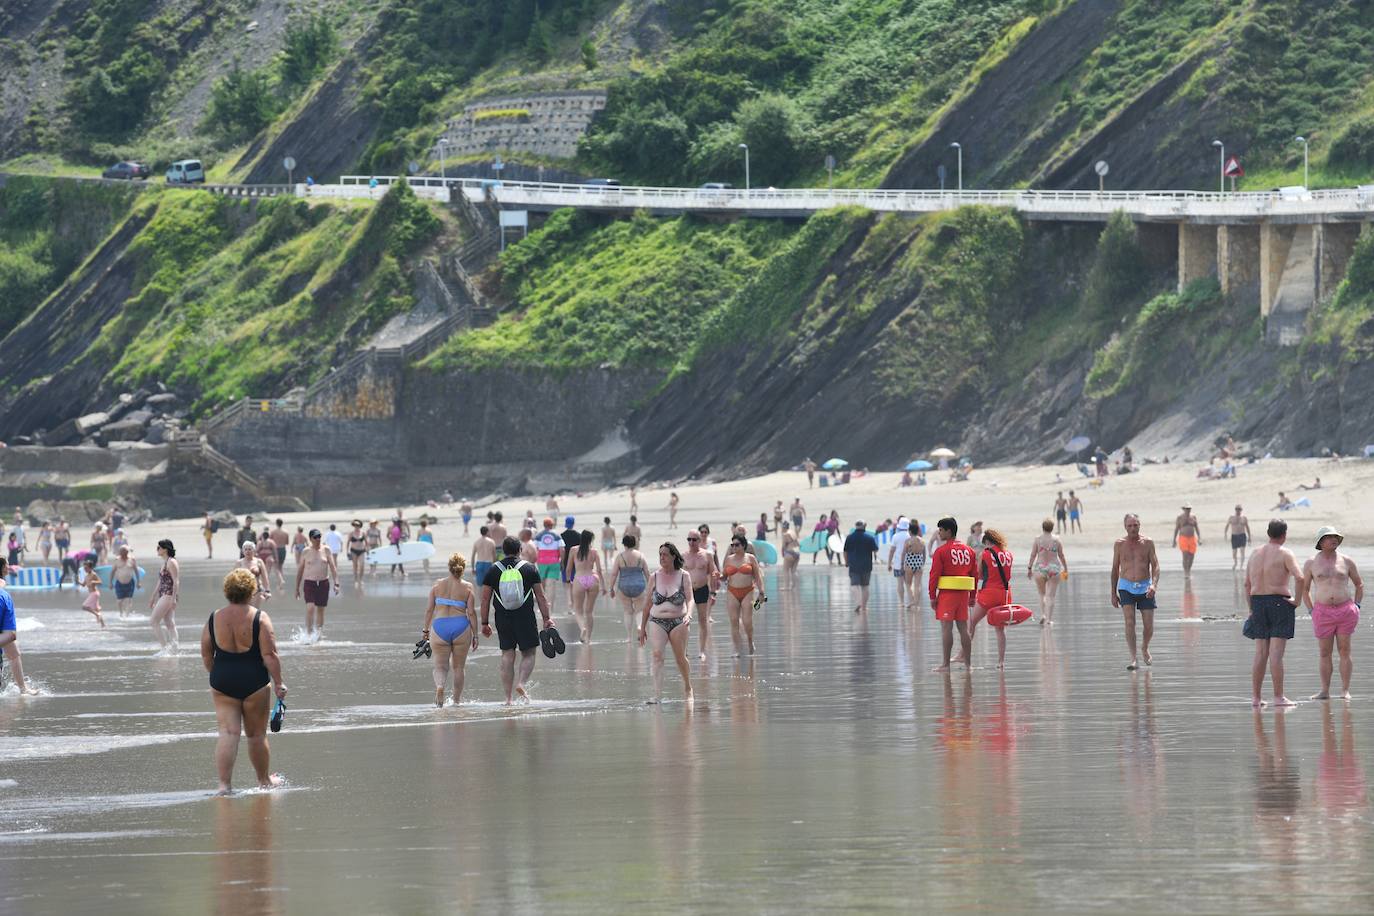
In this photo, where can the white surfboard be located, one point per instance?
(406, 552)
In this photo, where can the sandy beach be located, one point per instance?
(1012, 499)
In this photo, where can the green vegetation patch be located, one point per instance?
(237, 299)
(47, 227)
(588, 292)
(501, 114)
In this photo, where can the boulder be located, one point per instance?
(161, 401)
(226, 519)
(156, 434)
(91, 422)
(126, 430)
(65, 433)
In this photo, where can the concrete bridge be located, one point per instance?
(1280, 251)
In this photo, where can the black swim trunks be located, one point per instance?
(516, 629)
(1139, 602)
(1238, 541)
(1271, 617)
(701, 594)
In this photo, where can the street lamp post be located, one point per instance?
(745, 147)
(960, 151)
(1221, 180)
(1303, 141)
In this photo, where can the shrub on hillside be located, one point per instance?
(1354, 147)
(241, 104)
(307, 47)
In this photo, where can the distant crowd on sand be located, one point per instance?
(512, 572)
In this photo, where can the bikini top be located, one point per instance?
(449, 602)
(356, 538)
(678, 598)
(746, 567)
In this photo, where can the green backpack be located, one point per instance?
(511, 588)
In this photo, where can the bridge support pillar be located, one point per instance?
(1275, 241)
(1336, 243)
(1238, 263)
(1197, 253)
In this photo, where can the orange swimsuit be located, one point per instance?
(747, 568)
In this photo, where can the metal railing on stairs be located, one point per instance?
(190, 444)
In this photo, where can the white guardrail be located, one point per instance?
(1035, 203)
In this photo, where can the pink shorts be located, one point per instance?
(1335, 619)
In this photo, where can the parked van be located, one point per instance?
(186, 171)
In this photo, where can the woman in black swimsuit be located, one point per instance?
(239, 649)
(666, 617)
(357, 549)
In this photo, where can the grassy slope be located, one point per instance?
(227, 291)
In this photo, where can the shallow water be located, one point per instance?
(833, 770)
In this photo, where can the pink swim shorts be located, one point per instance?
(1335, 619)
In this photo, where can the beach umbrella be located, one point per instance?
(942, 452)
(834, 464)
(1077, 444)
(919, 465)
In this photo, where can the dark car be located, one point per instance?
(127, 171)
(602, 183)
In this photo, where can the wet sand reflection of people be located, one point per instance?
(1142, 758)
(1342, 790)
(1278, 795)
(246, 863)
(674, 791)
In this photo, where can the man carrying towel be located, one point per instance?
(1272, 607)
(952, 571)
(1135, 577)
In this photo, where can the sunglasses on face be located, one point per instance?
(693, 540)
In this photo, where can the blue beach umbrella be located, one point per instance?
(919, 464)
(834, 464)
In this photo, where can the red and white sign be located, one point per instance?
(1233, 169)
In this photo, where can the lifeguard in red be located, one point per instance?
(953, 558)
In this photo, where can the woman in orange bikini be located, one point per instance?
(742, 575)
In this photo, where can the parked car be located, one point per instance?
(127, 171)
(601, 183)
(186, 171)
(717, 186)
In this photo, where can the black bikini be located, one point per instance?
(238, 674)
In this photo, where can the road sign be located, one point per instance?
(1101, 167)
(414, 167)
(1233, 168)
(830, 162)
(289, 163)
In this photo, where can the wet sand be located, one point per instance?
(834, 770)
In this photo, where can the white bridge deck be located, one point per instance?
(1338, 205)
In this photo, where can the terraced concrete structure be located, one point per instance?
(537, 123)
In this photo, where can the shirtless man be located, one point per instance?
(1187, 537)
(1061, 512)
(1135, 578)
(282, 538)
(483, 555)
(798, 513)
(705, 576)
(465, 510)
(1327, 581)
(528, 553)
(496, 530)
(634, 501)
(1075, 513)
(1272, 605)
(124, 576)
(810, 472)
(1238, 530)
(316, 570)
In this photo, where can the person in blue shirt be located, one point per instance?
(859, 550)
(9, 635)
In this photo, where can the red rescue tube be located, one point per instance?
(1005, 615)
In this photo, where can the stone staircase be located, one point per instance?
(191, 447)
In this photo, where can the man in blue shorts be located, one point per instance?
(1135, 578)
(9, 635)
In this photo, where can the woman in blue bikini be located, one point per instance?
(451, 627)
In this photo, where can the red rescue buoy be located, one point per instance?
(1008, 615)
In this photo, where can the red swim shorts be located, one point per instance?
(951, 606)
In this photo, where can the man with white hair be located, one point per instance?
(901, 534)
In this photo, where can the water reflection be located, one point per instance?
(1141, 757)
(245, 867)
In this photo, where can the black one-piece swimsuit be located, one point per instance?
(238, 674)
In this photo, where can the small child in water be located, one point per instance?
(92, 602)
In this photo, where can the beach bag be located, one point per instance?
(510, 589)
